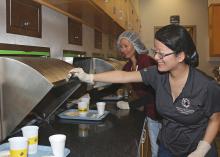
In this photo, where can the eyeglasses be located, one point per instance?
(160, 54)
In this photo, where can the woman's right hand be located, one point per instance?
(84, 77)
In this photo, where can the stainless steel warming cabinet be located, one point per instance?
(38, 86)
(98, 65)
(32, 84)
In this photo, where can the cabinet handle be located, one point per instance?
(114, 10)
(143, 137)
(129, 26)
(26, 24)
(121, 15)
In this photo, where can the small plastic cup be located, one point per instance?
(18, 146)
(82, 108)
(31, 133)
(100, 107)
(57, 143)
(87, 100)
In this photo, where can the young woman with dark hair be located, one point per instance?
(186, 99)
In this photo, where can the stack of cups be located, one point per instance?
(57, 142)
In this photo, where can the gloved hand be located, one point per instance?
(123, 105)
(84, 77)
(201, 150)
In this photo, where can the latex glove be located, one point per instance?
(201, 150)
(84, 77)
(123, 105)
(68, 77)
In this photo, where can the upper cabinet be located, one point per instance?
(107, 16)
(133, 21)
(122, 12)
(106, 6)
(23, 17)
(214, 30)
(115, 9)
(74, 32)
(97, 39)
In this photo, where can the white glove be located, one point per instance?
(68, 77)
(84, 77)
(123, 105)
(201, 150)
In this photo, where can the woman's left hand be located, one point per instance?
(123, 105)
(201, 150)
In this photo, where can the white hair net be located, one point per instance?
(134, 39)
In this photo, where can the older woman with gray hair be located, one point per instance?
(132, 49)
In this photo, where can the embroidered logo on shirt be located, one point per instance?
(185, 102)
(184, 108)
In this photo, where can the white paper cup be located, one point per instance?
(57, 143)
(31, 132)
(100, 107)
(18, 146)
(82, 108)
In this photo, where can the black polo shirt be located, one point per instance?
(184, 120)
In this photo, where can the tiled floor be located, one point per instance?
(218, 143)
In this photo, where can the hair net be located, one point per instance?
(134, 39)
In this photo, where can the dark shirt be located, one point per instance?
(184, 120)
(145, 94)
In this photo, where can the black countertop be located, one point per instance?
(117, 135)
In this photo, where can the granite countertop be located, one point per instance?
(117, 135)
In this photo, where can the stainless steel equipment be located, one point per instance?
(97, 65)
(31, 84)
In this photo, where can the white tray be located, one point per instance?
(92, 115)
(41, 150)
